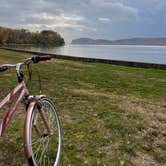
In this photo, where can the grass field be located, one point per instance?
(110, 115)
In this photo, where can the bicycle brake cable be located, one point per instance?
(39, 82)
(29, 72)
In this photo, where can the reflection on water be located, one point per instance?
(151, 54)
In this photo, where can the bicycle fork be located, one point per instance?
(46, 123)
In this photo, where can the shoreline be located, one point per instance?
(85, 59)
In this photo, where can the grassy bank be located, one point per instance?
(110, 115)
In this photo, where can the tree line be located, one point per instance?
(23, 36)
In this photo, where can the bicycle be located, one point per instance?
(42, 131)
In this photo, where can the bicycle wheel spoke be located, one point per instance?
(40, 139)
(42, 155)
(36, 153)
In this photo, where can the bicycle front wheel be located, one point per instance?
(42, 134)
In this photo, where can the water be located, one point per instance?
(151, 54)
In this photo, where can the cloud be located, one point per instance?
(53, 21)
(106, 20)
(87, 18)
(115, 10)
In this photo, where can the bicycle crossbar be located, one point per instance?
(23, 91)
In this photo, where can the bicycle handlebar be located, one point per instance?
(6, 66)
(33, 59)
(37, 59)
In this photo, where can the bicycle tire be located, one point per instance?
(42, 148)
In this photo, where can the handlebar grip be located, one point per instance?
(37, 59)
(3, 68)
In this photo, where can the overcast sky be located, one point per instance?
(108, 19)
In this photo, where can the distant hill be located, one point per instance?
(131, 41)
(90, 41)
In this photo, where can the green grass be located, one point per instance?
(110, 115)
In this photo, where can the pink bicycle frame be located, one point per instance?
(23, 91)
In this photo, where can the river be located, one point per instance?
(150, 54)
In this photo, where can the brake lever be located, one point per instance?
(29, 72)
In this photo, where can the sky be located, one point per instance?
(106, 19)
